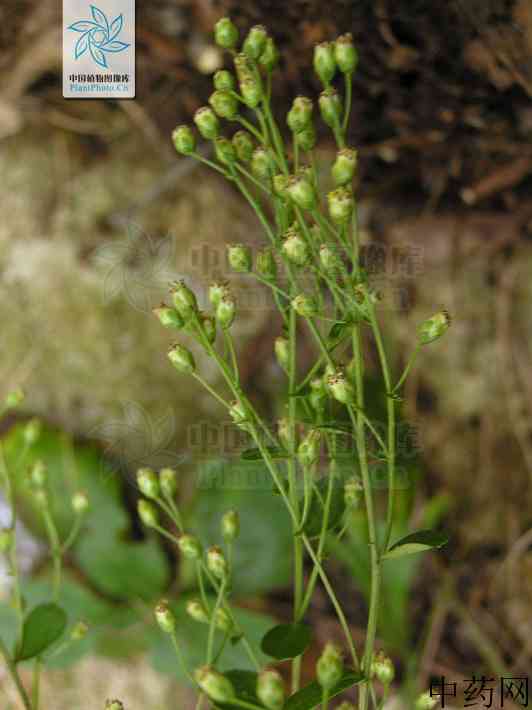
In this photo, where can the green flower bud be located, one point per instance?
(352, 492)
(222, 620)
(190, 547)
(184, 299)
(148, 483)
(238, 414)
(308, 450)
(301, 192)
(382, 668)
(208, 324)
(217, 290)
(6, 539)
(225, 151)
(165, 617)
(169, 317)
(344, 167)
(270, 689)
(270, 56)
(224, 104)
(330, 666)
(434, 327)
(425, 702)
(306, 139)
(251, 91)
(304, 306)
(295, 249)
(224, 81)
(345, 53)
(324, 62)
(282, 352)
(214, 684)
(39, 474)
(300, 115)
(225, 33)
(266, 265)
(329, 258)
(243, 68)
(79, 631)
(14, 398)
(168, 482)
(255, 42)
(239, 257)
(207, 123)
(114, 705)
(32, 431)
(230, 525)
(280, 184)
(80, 502)
(341, 204)
(243, 145)
(216, 562)
(182, 359)
(330, 107)
(197, 611)
(148, 513)
(262, 165)
(225, 311)
(184, 140)
(340, 388)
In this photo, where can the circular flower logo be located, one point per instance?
(98, 36)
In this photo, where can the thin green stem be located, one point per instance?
(181, 657)
(348, 80)
(406, 371)
(12, 669)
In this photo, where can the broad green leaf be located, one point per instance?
(245, 684)
(255, 454)
(419, 541)
(286, 641)
(43, 626)
(313, 525)
(311, 695)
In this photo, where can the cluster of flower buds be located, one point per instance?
(270, 689)
(223, 302)
(382, 669)
(434, 327)
(329, 667)
(330, 56)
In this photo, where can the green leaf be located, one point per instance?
(419, 541)
(313, 525)
(311, 695)
(245, 684)
(255, 454)
(286, 641)
(43, 626)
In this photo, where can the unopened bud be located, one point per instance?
(308, 450)
(329, 258)
(425, 701)
(39, 474)
(280, 184)
(238, 414)
(169, 317)
(80, 502)
(262, 165)
(79, 631)
(197, 611)
(270, 55)
(190, 547)
(207, 123)
(301, 192)
(168, 482)
(114, 705)
(217, 291)
(148, 513)
(6, 539)
(382, 668)
(184, 140)
(165, 617)
(239, 257)
(230, 525)
(243, 145)
(224, 104)
(300, 115)
(222, 620)
(344, 167)
(225, 311)
(225, 151)
(304, 306)
(295, 249)
(208, 324)
(341, 205)
(330, 107)
(243, 67)
(148, 483)
(306, 139)
(14, 398)
(255, 42)
(225, 33)
(266, 265)
(434, 327)
(270, 689)
(224, 81)
(32, 431)
(282, 352)
(345, 53)
(184, 299)
(251, 91)
(324, 62)
(330, 667)
(352, 492)
(214, 685)
(340, 388)
(182, 359)
(216, 562)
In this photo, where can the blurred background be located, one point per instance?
(100, 214)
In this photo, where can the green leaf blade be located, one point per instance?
(43, 626)
(286, 641)
(311, 695)
(419, 541)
